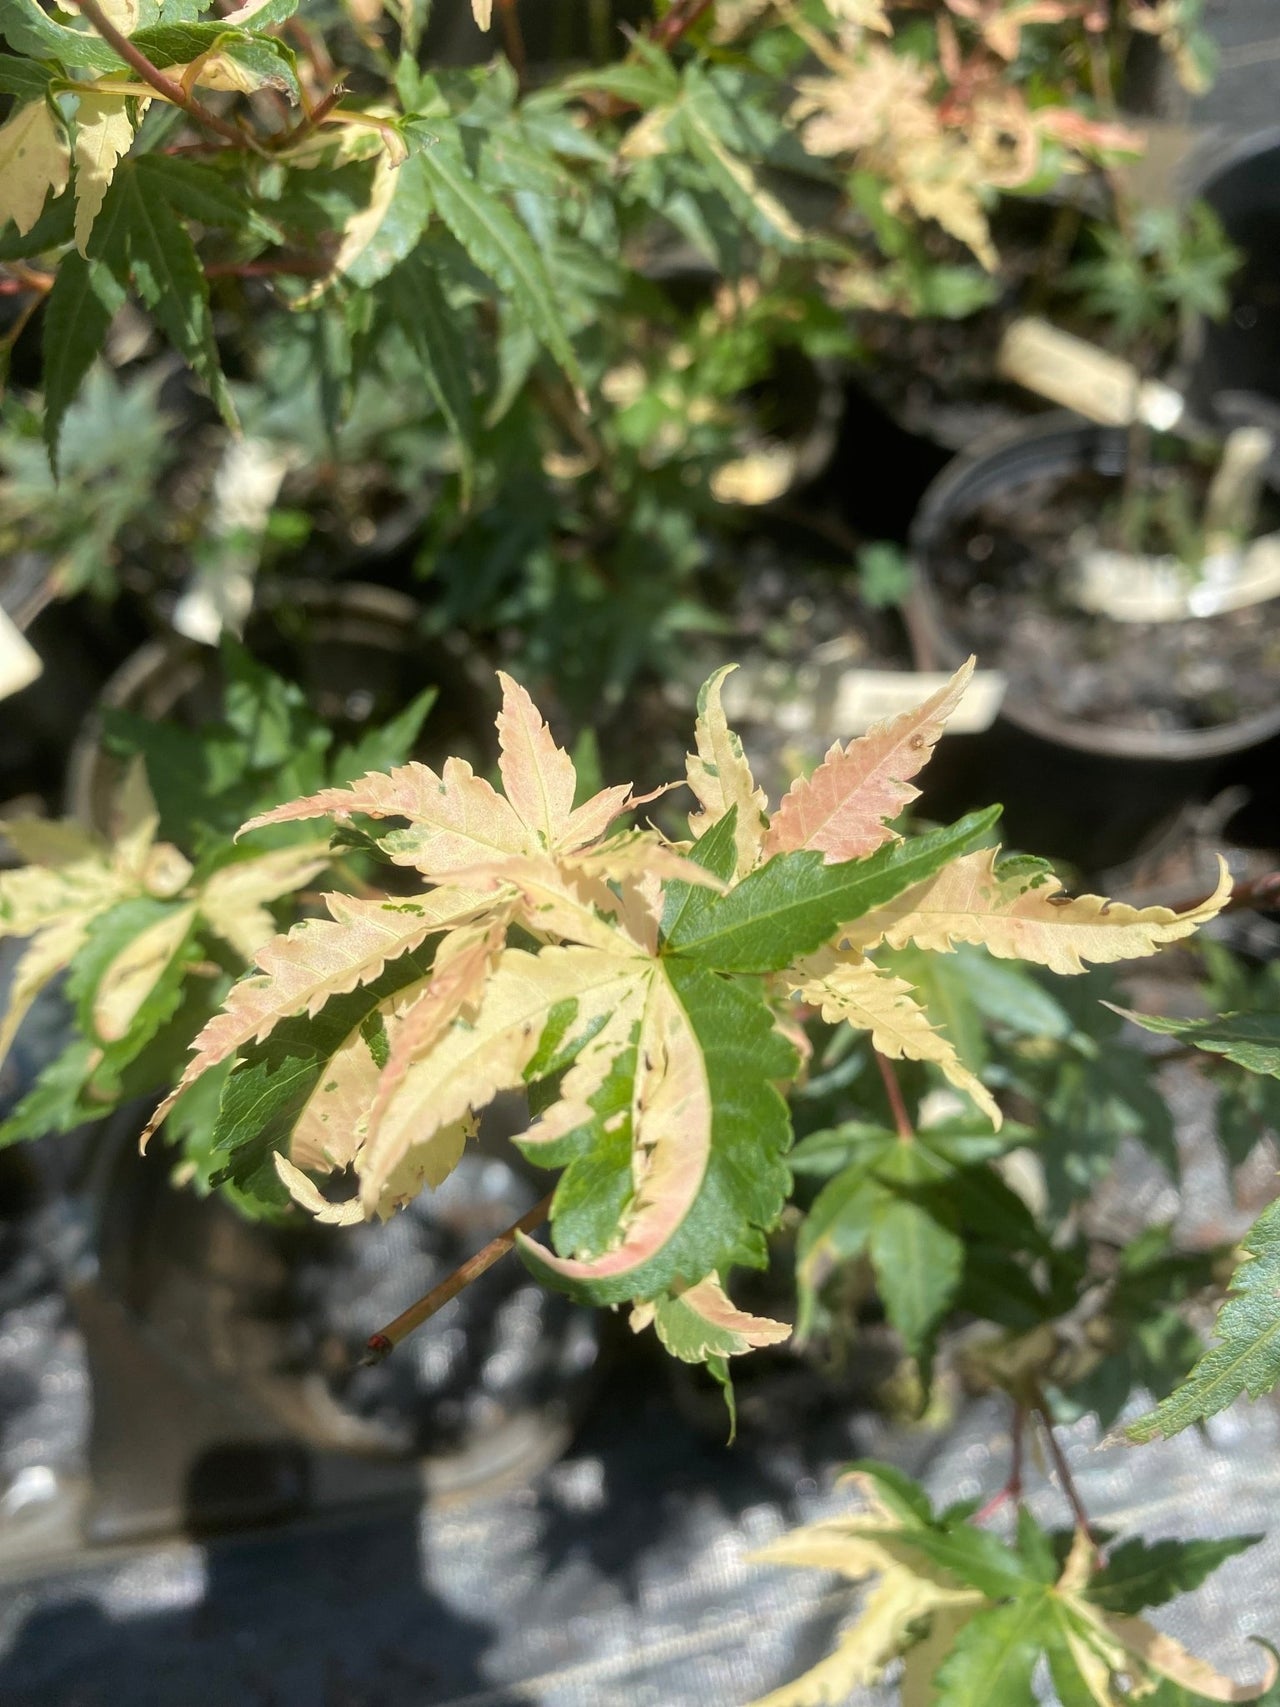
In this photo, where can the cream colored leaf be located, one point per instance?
(330, 1128)
(707, 1300)
(588, 1072)
(224, 71)
(720, 777)
(457, 819)
(537, 776)
(1168, 1658)
(841, 809)
(462, 967)
(132, 975)
(52, 841)
(34, 159)
(847, 987)
(234, 899)
(482, 12)
(307, 1195)
(124, 14)
(319, 958)
(35, 896)
(426, 1164)
(639, 853)
(1019, 920)
(104, 134)
(671, 1140)
(134, 821)
(557, 902)
(921, 1661)
(48, 953)
(361, 229)
(876, 1636)
(472, 1062)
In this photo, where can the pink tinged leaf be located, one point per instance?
(671, 1126)
(456, 818)
(637, 853)
(840, 810)
(471, 1063)
(588, 822)
(707, 1299)
(319, 958)
(330, 1129)
(538, 777)
(556, 902)
(1016, 919)
(462, 967)
(720, 776)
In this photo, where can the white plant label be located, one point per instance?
(1128, 588)
(19, 661)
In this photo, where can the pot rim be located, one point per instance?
(933, 641)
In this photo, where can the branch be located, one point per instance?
(1060, 1464)
(172, 92)
(384, 1342)
(302, 268)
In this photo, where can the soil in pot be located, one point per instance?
(1003, 570)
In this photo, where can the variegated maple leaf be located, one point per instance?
(972, 1617)
(122, 913)
(645, 1004)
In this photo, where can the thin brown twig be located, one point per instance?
(678, 22)
(1012, 1489)
(1060, 1464)
(311, 118)
(382, 1343)
(172, 92)
(893, 1090)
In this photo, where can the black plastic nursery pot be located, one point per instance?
(1094, 794)
(1241, 183)
(224, 1352)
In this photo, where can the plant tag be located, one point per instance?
(1080, 376)
(866, 697)
(1162, 589)
(19, 661)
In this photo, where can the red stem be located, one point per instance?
(901, 1119)
(173, 92)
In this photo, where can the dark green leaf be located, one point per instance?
(1142, 1573)
(1251, 1040)
(435, 333)
(141, 239)
(77, 317)
(1247, 1359)
(495, 240)
(28, 29)
(918, 1262)
(745, 1183)
(20, 77)
(383, 748)
(994, 1656)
